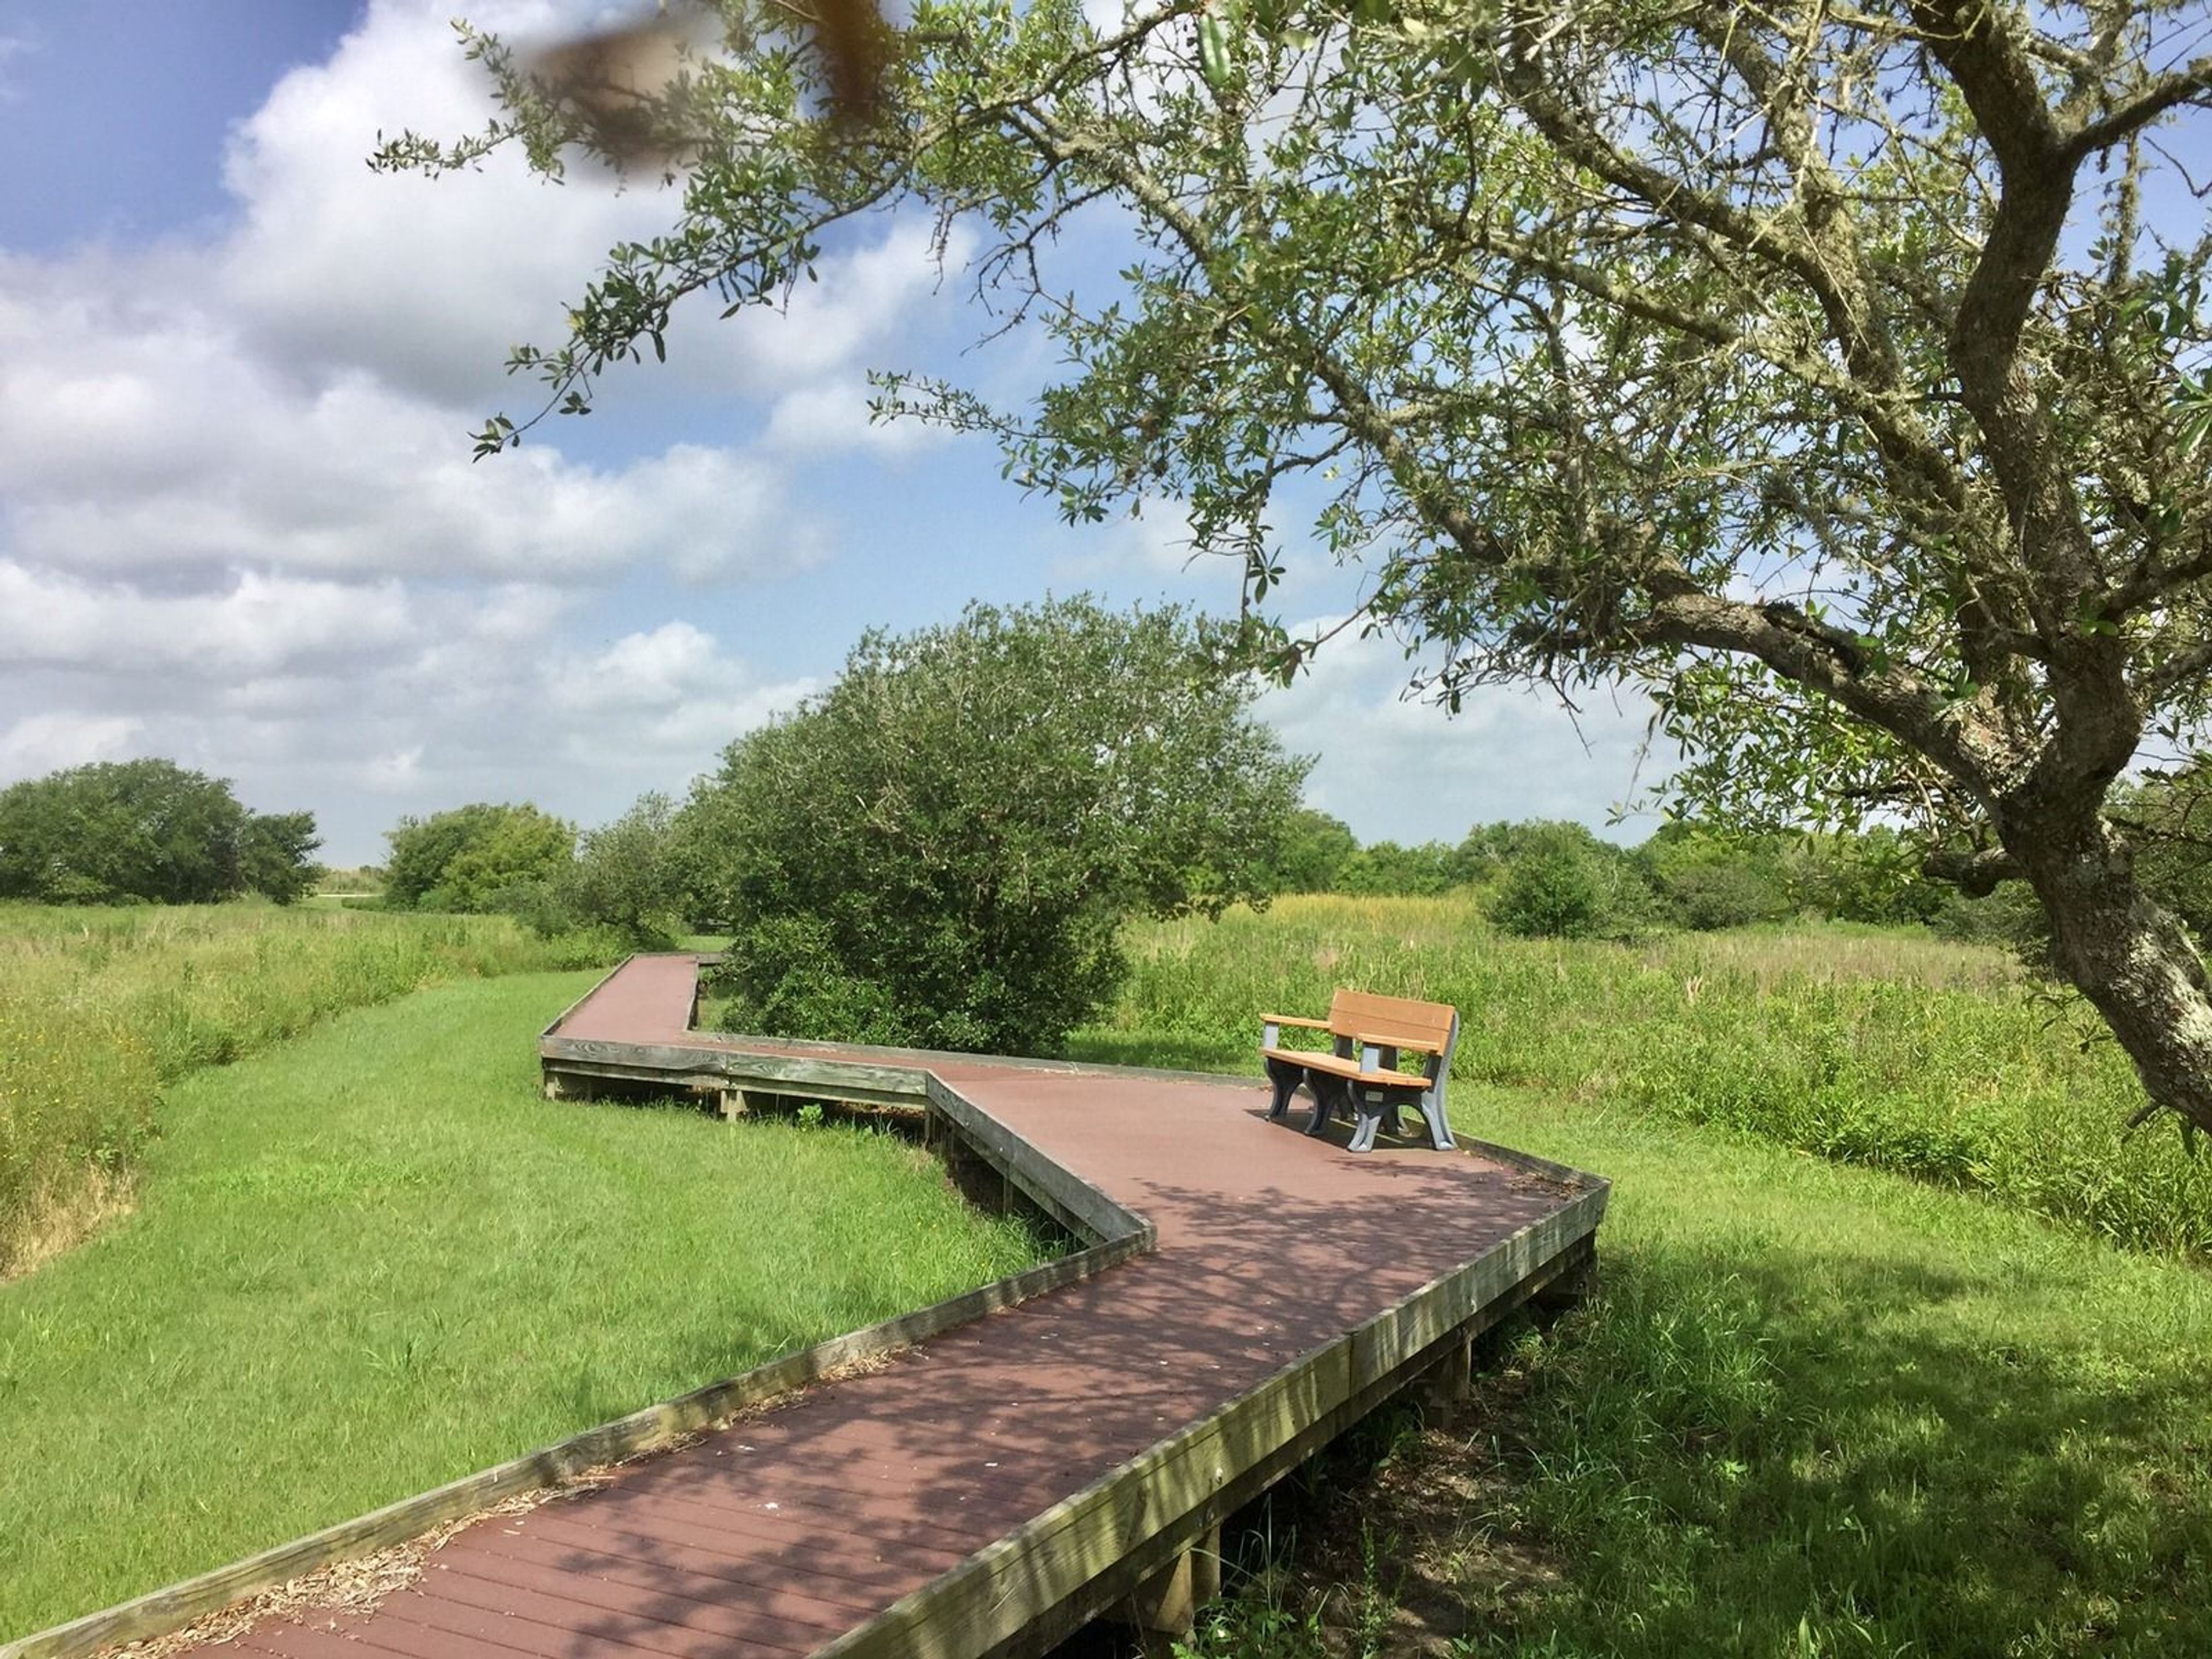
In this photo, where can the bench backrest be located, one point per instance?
(1385, 1019)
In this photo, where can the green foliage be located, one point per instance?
(378, 1259)
(1706, 882)
(102, 1009)
(477, 858)
(1562, 882)
(1315, 848)
(632, 877)
(146, 831)
(942, 847)
(1421, 871)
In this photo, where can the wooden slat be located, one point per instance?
(1017, 1581)
(1351, 1068)
(1390, 1019)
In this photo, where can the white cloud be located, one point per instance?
(38, 743)
(1400, 767)
(831, 417)
(427, 282)
(261, 625)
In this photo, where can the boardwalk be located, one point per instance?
(799, 1529)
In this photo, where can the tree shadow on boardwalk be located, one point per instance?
(787, 1528)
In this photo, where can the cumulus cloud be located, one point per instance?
(1400, 767)
(260, 626)
(38, 743)
(239, 520)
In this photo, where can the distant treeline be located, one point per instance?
(641, 876)
(1548, 878)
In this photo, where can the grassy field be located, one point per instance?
(374, 1260)
(1815, 1409)
(1879, 1048)
(100, 1009)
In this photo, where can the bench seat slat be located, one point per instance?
(1350, 1068)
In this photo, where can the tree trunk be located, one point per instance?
(2134, 960)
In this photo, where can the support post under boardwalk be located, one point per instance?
(1165, 1605)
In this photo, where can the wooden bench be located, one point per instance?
(1360, 1072)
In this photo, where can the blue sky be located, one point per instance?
(238, 524)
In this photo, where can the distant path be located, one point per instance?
(1278, 1257)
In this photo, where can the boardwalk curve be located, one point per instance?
(1041, 1451)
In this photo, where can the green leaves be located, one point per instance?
(942, 847)
(1214, 51)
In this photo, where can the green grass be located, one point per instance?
(374, 1260)
(100, 1008)
(1880, 1048)
(1814, 1410)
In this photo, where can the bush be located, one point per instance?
(941, 849)
(474, 859)
(1562, 882)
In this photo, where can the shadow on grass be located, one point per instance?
(1809, 1449)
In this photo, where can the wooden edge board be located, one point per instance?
(654, 1427)
(802, 1072)
(988, 1599)
(1053, 1185)
(923, 1058)
(1101, 1594)
(597, 985)
(905, 1100)
(1566, 1174)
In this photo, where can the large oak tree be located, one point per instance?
(1835, 370)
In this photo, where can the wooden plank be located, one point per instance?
(1076, 1202)
(720, 1077)
(790, 1074)
(1098, 1538)
(559, 1018)
(1000, 1590)
(178, 1605)
(1386, 1343)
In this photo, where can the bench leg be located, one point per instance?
(1324, 1092)
(1285, 1075)
(1440, 1135)
(1370, 1114)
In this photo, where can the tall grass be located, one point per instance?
(1870, 1047)
(101, 1009)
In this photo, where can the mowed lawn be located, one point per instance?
(374, 1260)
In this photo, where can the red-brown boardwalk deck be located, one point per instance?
(778, 1534)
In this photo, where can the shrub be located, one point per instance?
(472, 857)
(942, 847)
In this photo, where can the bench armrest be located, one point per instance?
(1292, 1019)
(1416, 1044)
